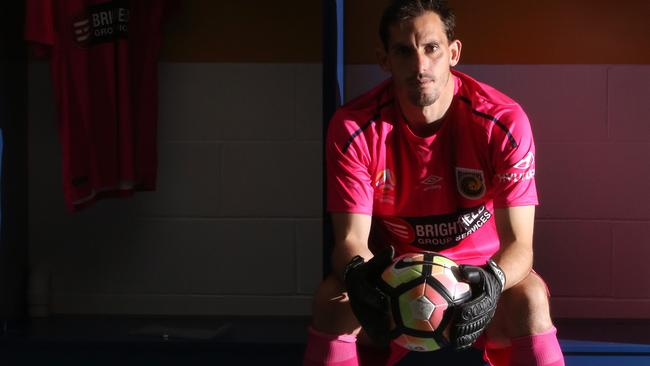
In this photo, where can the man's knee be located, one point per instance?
(532, 294)
(526, 307)
(331, 309)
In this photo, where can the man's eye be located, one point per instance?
(431, 48)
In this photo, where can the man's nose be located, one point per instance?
(421, 62)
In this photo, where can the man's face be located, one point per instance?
(419, 58)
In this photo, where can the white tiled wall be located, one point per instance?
(235, 225)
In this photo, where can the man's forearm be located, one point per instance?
(351, 238)
(516, 261)
(515, 256)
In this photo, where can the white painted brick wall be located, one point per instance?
(272, 179)
(188, 181)
(235, 225)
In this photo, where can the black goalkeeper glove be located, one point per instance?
(369, 304)
(475, 314)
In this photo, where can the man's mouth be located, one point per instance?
(421, 82)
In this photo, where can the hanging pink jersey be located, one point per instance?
(103, 58)
(439, 192)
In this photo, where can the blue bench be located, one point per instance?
(587, 353)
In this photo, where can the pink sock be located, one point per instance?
(537, 350)
(330, 350)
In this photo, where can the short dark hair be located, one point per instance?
(402, 10)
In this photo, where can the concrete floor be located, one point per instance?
(127, 341)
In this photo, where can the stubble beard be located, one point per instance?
(422, 99)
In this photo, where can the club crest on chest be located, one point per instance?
(470, 183)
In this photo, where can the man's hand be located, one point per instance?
(474, 315)
(369, 304)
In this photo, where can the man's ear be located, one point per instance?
(454, 52)
(382, 58)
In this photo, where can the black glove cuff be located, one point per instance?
(497, 272)
(353, 263)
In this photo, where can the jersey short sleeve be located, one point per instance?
(39, 25)
(513, 157)
(349, 182)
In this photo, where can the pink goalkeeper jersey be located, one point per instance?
(104, 66)
(435, 193)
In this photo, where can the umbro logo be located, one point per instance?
(431, 182)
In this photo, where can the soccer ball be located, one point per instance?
(424, 289)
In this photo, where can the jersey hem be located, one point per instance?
(515, 204)
(353, 211)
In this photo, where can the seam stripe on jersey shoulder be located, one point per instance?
(493, 119)
(362, 128)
